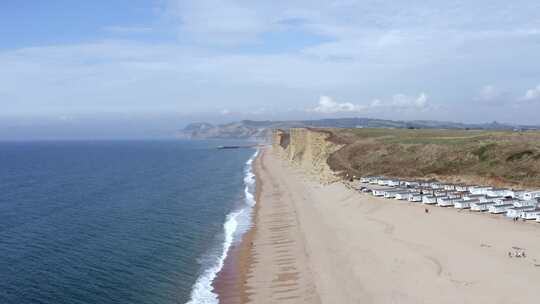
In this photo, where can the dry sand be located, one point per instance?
(330, 244)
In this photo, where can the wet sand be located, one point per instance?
(230, 283)
(317, 243)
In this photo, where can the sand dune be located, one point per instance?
(329, 244)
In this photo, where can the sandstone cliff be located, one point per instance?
(499, 158)
(308, 149)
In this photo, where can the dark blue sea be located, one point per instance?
(119, 221)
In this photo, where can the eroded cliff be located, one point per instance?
(308, 149)
(500, 158)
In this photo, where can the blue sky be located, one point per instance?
(39, 23)
(471, 61)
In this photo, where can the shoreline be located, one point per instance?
(272, 260)
(230, 283)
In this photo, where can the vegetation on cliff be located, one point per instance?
(497, 157)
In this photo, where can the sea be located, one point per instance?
(119, 221)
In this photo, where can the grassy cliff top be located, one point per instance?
(503, 158)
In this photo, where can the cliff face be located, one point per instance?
(499, 158)
(308, 149)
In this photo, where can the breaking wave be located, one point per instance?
(236, 223)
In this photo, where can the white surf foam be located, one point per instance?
(203, 291)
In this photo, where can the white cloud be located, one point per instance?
(490, 94)
(259, 111)
(127, 29)
(67, 118)
(532, 94)
(219, 22)
(327, 105)
(225, 112)
(295, 49)
(409, 102)
(493, 95)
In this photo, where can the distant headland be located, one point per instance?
(261, 130)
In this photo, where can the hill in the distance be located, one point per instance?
(260, 130)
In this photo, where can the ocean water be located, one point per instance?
(119, 222)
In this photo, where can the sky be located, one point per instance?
(458, 60)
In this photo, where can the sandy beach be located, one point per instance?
(316, 243)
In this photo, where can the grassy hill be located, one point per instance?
(503, 158)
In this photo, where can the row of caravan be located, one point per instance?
(525, 207)
(439, 186)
